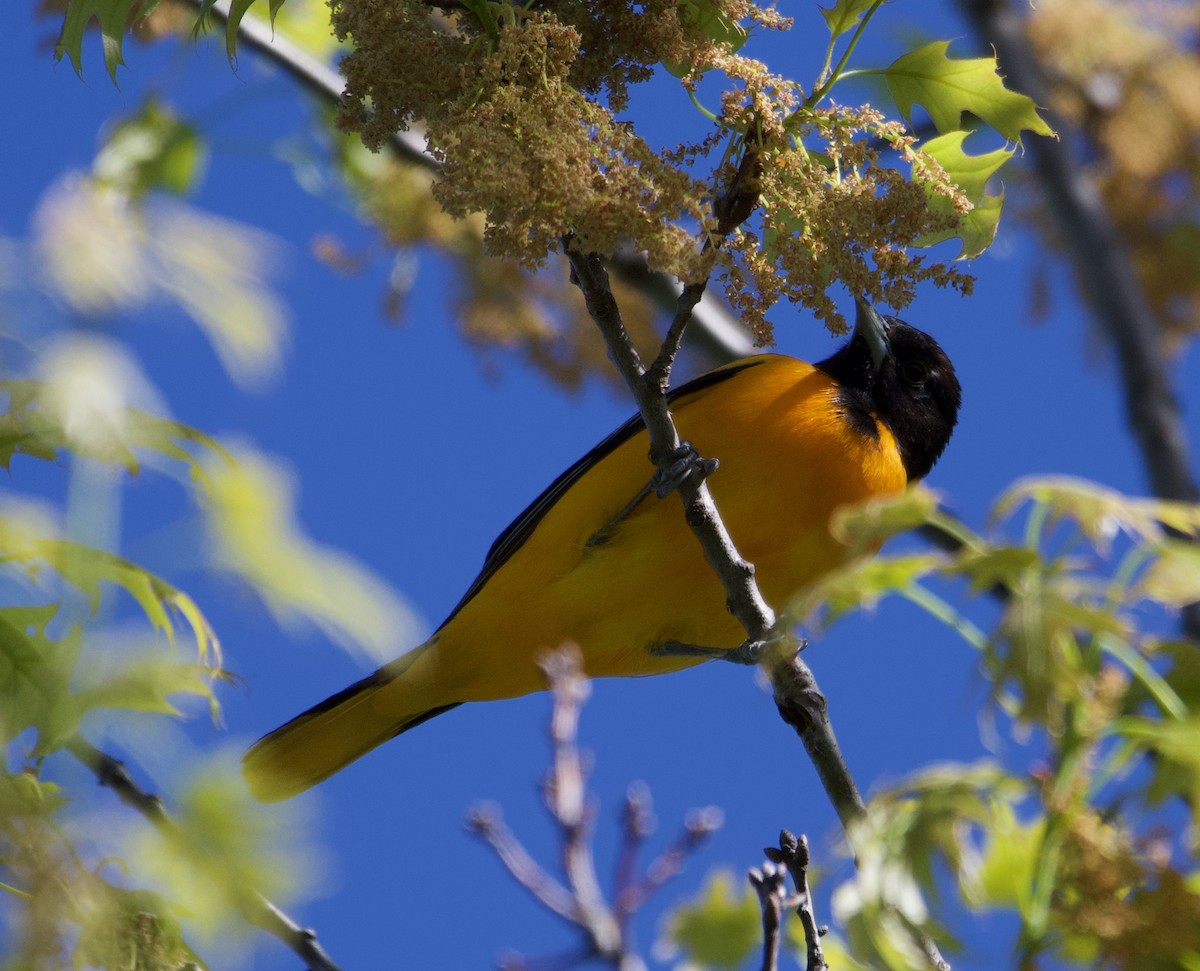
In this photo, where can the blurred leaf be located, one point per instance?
(1183, 673)
(864, 526)
(23, 794)
(906, 832)
(1099, 511)
(130, 929)
(1173, 575)
(147, 684)
(997, 566)
(111, 15)
(860, 583)
(217, 271)
(32, 545)
(948, 87)
(976, 228)
(105, 252)
(153, 149)
(721, 927)
(1037, 648)
(91, 248)
(1009, 861)
(225, 850)
(255, 534)
(1177, 769)
(34, 426)
(303, 22)
(844, 15)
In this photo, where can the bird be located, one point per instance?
(602, 560)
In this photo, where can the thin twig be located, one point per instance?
(486, 823)
(792, 853)
(770, 883)
(698, 829)
(637, 823)
(567, 798)
(255, 908)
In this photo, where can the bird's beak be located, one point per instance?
(873, 329)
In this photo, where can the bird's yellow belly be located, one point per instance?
(649, 583)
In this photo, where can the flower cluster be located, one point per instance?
(519, 105)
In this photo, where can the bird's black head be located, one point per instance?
(899, 375)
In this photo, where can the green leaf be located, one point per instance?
(112, 16)
(237, 10)
(23, 794)
(35, 677)
(969, 172)
(844, 15)
(1038, 646)
(976, 228)
(29, 543)
(711, 21)
(721, 927)
(153, 149)
(900, 846)
(947, 88)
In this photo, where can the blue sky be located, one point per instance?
(412, 458)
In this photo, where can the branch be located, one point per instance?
(746, 603)
(1110, 286)
(797, 695)
(255, 908)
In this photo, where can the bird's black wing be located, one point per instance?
(520, 529)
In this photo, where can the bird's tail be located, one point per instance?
(331, 735)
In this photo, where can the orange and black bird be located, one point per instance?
(600, 560)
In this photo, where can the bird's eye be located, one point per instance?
(912, 373)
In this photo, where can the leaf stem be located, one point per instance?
(827, 78)
(934, 605)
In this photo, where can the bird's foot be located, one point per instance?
(748, 652)
(683, 463)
